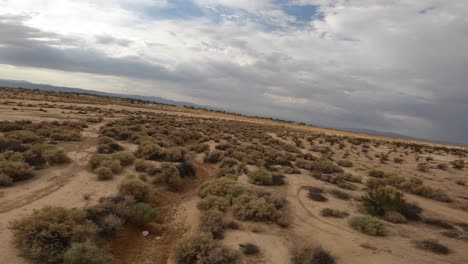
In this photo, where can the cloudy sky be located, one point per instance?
(389, 65)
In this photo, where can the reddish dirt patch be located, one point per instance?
(130, 246)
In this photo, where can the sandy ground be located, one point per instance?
(74, 181)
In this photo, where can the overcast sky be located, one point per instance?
(389, 65)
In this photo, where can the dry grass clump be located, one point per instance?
(202, 249)
(329, 212)
(368, 225)
(312, 255)
(432, 246)
(46, 234)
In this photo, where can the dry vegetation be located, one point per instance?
(180, 185)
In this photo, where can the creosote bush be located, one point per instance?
(260, 176)
(86, 253)
(368, 225)
(329, 212)
(202, 249)
(144, 213)
(312, 255)
(46, 234)
(385, 199)
(249, 249)
(432, 246)
(135, 188)
(212, 221)
(345, 163)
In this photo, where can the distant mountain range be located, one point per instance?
(46, 87)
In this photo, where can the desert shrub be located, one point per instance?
(329, 212)
(458, 164)
(143, 166)
(124, 158)
(385, 199)
(349, 177)
(202, 249)
(17, 171)
(5, 180)
(186, 169)
(368, 225)
(345, 163)
(223, 146)
(214, 156)
(143, 214)
(312, 255)
(316, 194)
(432, 246)
(424, 167)
(23, 136)
(326, 166)
(438, 223)
(398, 160)
(339, 194)
(104, 173)
(56, 156)
(201, 148)
(108, 146)
(221, 255)
(213, 202)
(251, 207)
(225, 188)
(46, 234)
(111, 213)
(249, 249)
(260, 176)
(135, 188)
(86, 253)
(174, 154)
(411, 185)
(170, 175)
(150, 151)
(305, 164)
(395, 217)
(376, 173)
(442, 166)
(212, 221)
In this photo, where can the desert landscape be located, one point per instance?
(88, 179)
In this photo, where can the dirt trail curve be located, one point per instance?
(53, 178)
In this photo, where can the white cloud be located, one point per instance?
(363, 60)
